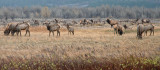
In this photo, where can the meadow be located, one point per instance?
(90, 48)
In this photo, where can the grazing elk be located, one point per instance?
(21, 26)
(52, 26)
(70, 29)
(150, 28)
(118, 29)
(112, 22)
(10, 27)
(144, 28)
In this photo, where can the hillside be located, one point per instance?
(79, 3)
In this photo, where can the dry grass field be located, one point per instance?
(93, 43)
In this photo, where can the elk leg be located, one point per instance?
(73, 32)
(12, 32)
(17, 33)
(153, 32)
(59, 33)
(29, 32)
(20, 32)
(53, 33)
(117, 31)
(26, 32)
(146, 33)
(49, 33)
(150, 32)
(68, 32)
(114, 31)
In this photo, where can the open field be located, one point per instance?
(95, 43)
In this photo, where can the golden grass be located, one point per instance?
(96, 42)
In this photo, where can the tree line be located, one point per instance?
(73, 12)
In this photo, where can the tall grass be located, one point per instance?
(89, 48)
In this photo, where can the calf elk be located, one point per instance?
(70, 29)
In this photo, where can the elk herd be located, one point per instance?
(142, 27)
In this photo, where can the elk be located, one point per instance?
(82, 22)
(112, 22)
(144, 28)
(125, 26)
(63, 22)
(150, 28)
(90, 22)
(70, 29)
(74, 22)
(145, 21)
(134, 21)
(52, 26)
(118, 29)
(10, 27)
(21, 26)
(36, 22)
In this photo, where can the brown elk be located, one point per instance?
(70, 29)
(52, 26)
(10, 27)
(144, 28)
(112, 22)
(118, 29)
(21, 26)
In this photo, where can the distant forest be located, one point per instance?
(74, 12)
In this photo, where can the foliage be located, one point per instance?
(67, 12)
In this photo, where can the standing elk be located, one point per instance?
(112, 22)
(17, 27)
(150, 28)
(70, 29)
(144, 28)
(21, 26)
(52, 26)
